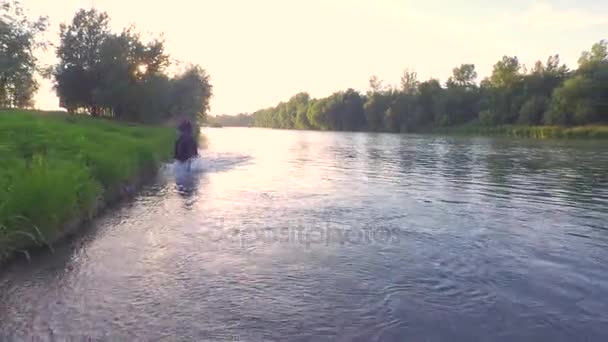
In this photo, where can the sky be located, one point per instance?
(261, 52)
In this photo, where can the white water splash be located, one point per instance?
(205, 163)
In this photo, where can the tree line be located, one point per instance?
(239, 120)
(547, 94)
(99, 73)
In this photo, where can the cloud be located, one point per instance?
(544, 16)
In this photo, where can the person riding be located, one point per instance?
(186, 146)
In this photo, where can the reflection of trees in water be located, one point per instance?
(407, 155)
(458, 161)
(375, 149)
(429, 156)
(572, 173)
(374, 159)
(301, 152)
(545, 171)
(583, 178)
(499, 167)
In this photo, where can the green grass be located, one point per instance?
(54, 168)
(538, 132)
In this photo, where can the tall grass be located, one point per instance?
(539, 132)
(55, 167)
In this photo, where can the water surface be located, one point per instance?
(318, 236)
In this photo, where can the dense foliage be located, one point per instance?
(118, 75)
(19, 37)
(548, 94)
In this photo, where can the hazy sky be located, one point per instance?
(260, 52)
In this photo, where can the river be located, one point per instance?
(322, 236)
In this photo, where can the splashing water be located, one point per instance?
(207, 163)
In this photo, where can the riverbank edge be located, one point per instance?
(519, 131)
(112, 197)
(112, 194)
(590, 132)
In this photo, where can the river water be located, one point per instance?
(319, 236)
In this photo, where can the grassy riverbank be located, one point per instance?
(539, 132)
(55, 169)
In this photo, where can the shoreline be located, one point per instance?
(589, 132)
(77, 225)
(68, 174)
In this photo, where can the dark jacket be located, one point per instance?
(186, 146)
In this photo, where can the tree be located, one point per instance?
(131, 78)
(352, 113)
(374, 109)
(317, 114)
(583, 98)
(19, 37)
(463, 76)
(286, 120)
(375, 84)
(118, 75)
(300, 103)
(79, 53)
(597, 55)
(461, 98)
(537, 89)
(430, 101)
(533, 110)
(409, 82)
(191, 94)
(543, 79)
(506, 72)
(503, 93)
(402, 113)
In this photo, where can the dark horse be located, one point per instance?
(186, 146)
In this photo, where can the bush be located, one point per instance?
(555, 116)
(531, 113)
(584, 112)
(488, 118)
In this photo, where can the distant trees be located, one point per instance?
(548, 94)
(118, 75)
(19, 37)
(240, 120)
